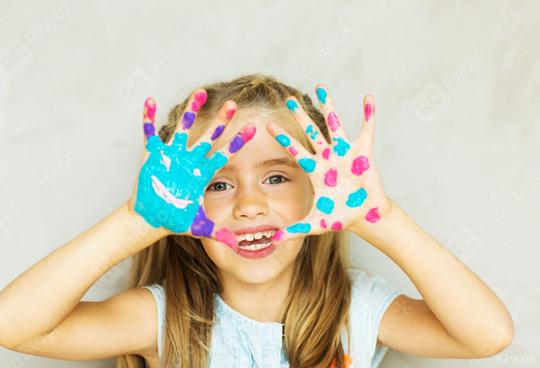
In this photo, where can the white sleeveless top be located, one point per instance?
(239, 341)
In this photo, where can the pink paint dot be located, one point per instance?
(227, 237)
(336, 226)
(319, 142)
(359, 165)
(198, 101)
(278, 235)
(333, 121)
(373, 215)
(293, 151)
(330, 178)
(150, 107)
(367, 111)
(323, 223)
(248, 132)
(230, 113)
(326, 153)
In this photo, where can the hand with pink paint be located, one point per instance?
(169, 192)
(348, 190)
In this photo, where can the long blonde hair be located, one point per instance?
(317, 307)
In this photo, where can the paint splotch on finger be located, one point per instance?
(241, 138)
(333, 121)
(323, 224)
(149, 116)
(217, 133)
(188, 119)
(283, 140)
(198, 101)
(359, 165)
(321, 95)
(299, 228)
(292, 105)
(226, 236)
(230, 113)
(202, 225)
(368, 110)
(356, 199)
(293, 151)
(307, 164)
(312, 132)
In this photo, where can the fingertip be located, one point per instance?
(248, 132)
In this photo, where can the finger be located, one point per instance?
(219, 158)
(216, 129)
(202, 226)
(337, 134)
(295, 148)
(313, 224)
(311, 129)
(368, 122)
(197, 99)
(152, 140)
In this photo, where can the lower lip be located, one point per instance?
(254, 254)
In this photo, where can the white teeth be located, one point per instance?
(255, 236)
(257, 246)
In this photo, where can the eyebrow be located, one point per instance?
(285, 161)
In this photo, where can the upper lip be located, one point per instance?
(256, 229)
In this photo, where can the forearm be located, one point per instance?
(40, 298)
(468, 309)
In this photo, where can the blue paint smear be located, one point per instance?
(356, 199)
(342, 147)
(283, 140)
(299, 228)
(321, 95)
(179, 180)
(292, 105)
(325, 205)
(307, 164)
(313, 133)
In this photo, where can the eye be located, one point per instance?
(218, 184)
(279, 181)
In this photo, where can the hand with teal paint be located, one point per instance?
(169, 192)
(348, 190)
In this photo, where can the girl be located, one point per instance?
(240, 256)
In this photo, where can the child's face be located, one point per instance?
(245, 194)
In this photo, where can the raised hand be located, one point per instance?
(348, 190)
(172, 180)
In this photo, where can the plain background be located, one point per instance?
(458, 122)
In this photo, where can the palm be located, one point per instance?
(348, 190)
(169, 192)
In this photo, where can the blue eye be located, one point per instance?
(214, 185)
(278, 176)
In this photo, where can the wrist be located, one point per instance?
(139, 227)
(375, 232)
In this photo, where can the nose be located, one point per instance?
(250, 204)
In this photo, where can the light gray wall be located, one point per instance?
(458, 127)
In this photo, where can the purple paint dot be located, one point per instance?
(187, 121)
(202, 225)
(149, 129)
(236, 144)
(218, 132)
